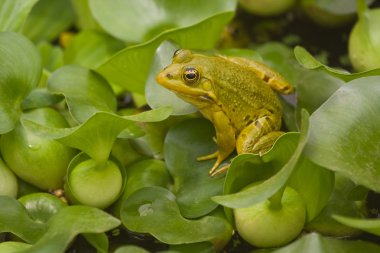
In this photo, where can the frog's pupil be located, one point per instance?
(190, 76)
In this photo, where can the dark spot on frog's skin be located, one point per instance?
(249, 123)
(266, 79)
(258, 124)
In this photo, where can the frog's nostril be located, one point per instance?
(169, 76)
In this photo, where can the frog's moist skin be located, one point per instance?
(235, 94)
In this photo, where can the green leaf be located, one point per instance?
(68, 223)
(86, 92)
(96, 136)
(318, 244)
(85, 20)
(20, 72)
(98, 241)
(193, 186)
(309, 62)
(163, 16)
(42, 206)
(40, 97)
(342, 202)
(314, 88)
(260, 192)
(348, 142)
(154, 210)
(13, 247)
(91, 49)
(15, 219)
(130, 67)
(13, 14)
(48, 19)
(316, 191)
(369, 225)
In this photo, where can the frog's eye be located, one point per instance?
(190, 75)
(176, 52)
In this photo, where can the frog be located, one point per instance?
(238, 95)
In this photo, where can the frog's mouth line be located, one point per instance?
(177, 86)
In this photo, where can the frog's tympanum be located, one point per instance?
(235, 94)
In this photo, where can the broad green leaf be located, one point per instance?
(68, 223)
(99, 241)
(149, 172)
(13, 14)
(156, 95)
(344, 132)
(154, 210)
(342, 202)
(20, 72)
(193, 186)
(309, 62)
(13, 247)
(364, 39)
(163, 15)
(262, 191)
(15, 219)
(85, 20)
(40, 97)
(130, 67)
(315, 184)
(369, 225)
(91, 49)
(48, 19)
(42, 206)
(86, 92)
(314, 88)
(318, 244)
(96, 136)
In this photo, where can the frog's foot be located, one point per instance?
(219, 171)
(208, 157)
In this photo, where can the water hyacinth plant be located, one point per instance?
(96, 156)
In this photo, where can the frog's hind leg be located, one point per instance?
(259, 136)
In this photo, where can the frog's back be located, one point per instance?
(242, 94)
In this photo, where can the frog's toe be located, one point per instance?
(215, 171)
(208, 157)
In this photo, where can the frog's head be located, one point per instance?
(185, 75)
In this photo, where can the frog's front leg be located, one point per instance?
(259, 136)
(225, 139)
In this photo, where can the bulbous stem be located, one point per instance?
(275, 200)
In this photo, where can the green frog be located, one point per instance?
(235, 94)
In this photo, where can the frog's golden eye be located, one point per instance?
(190, 75)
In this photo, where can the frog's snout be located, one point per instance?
(163, 76)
